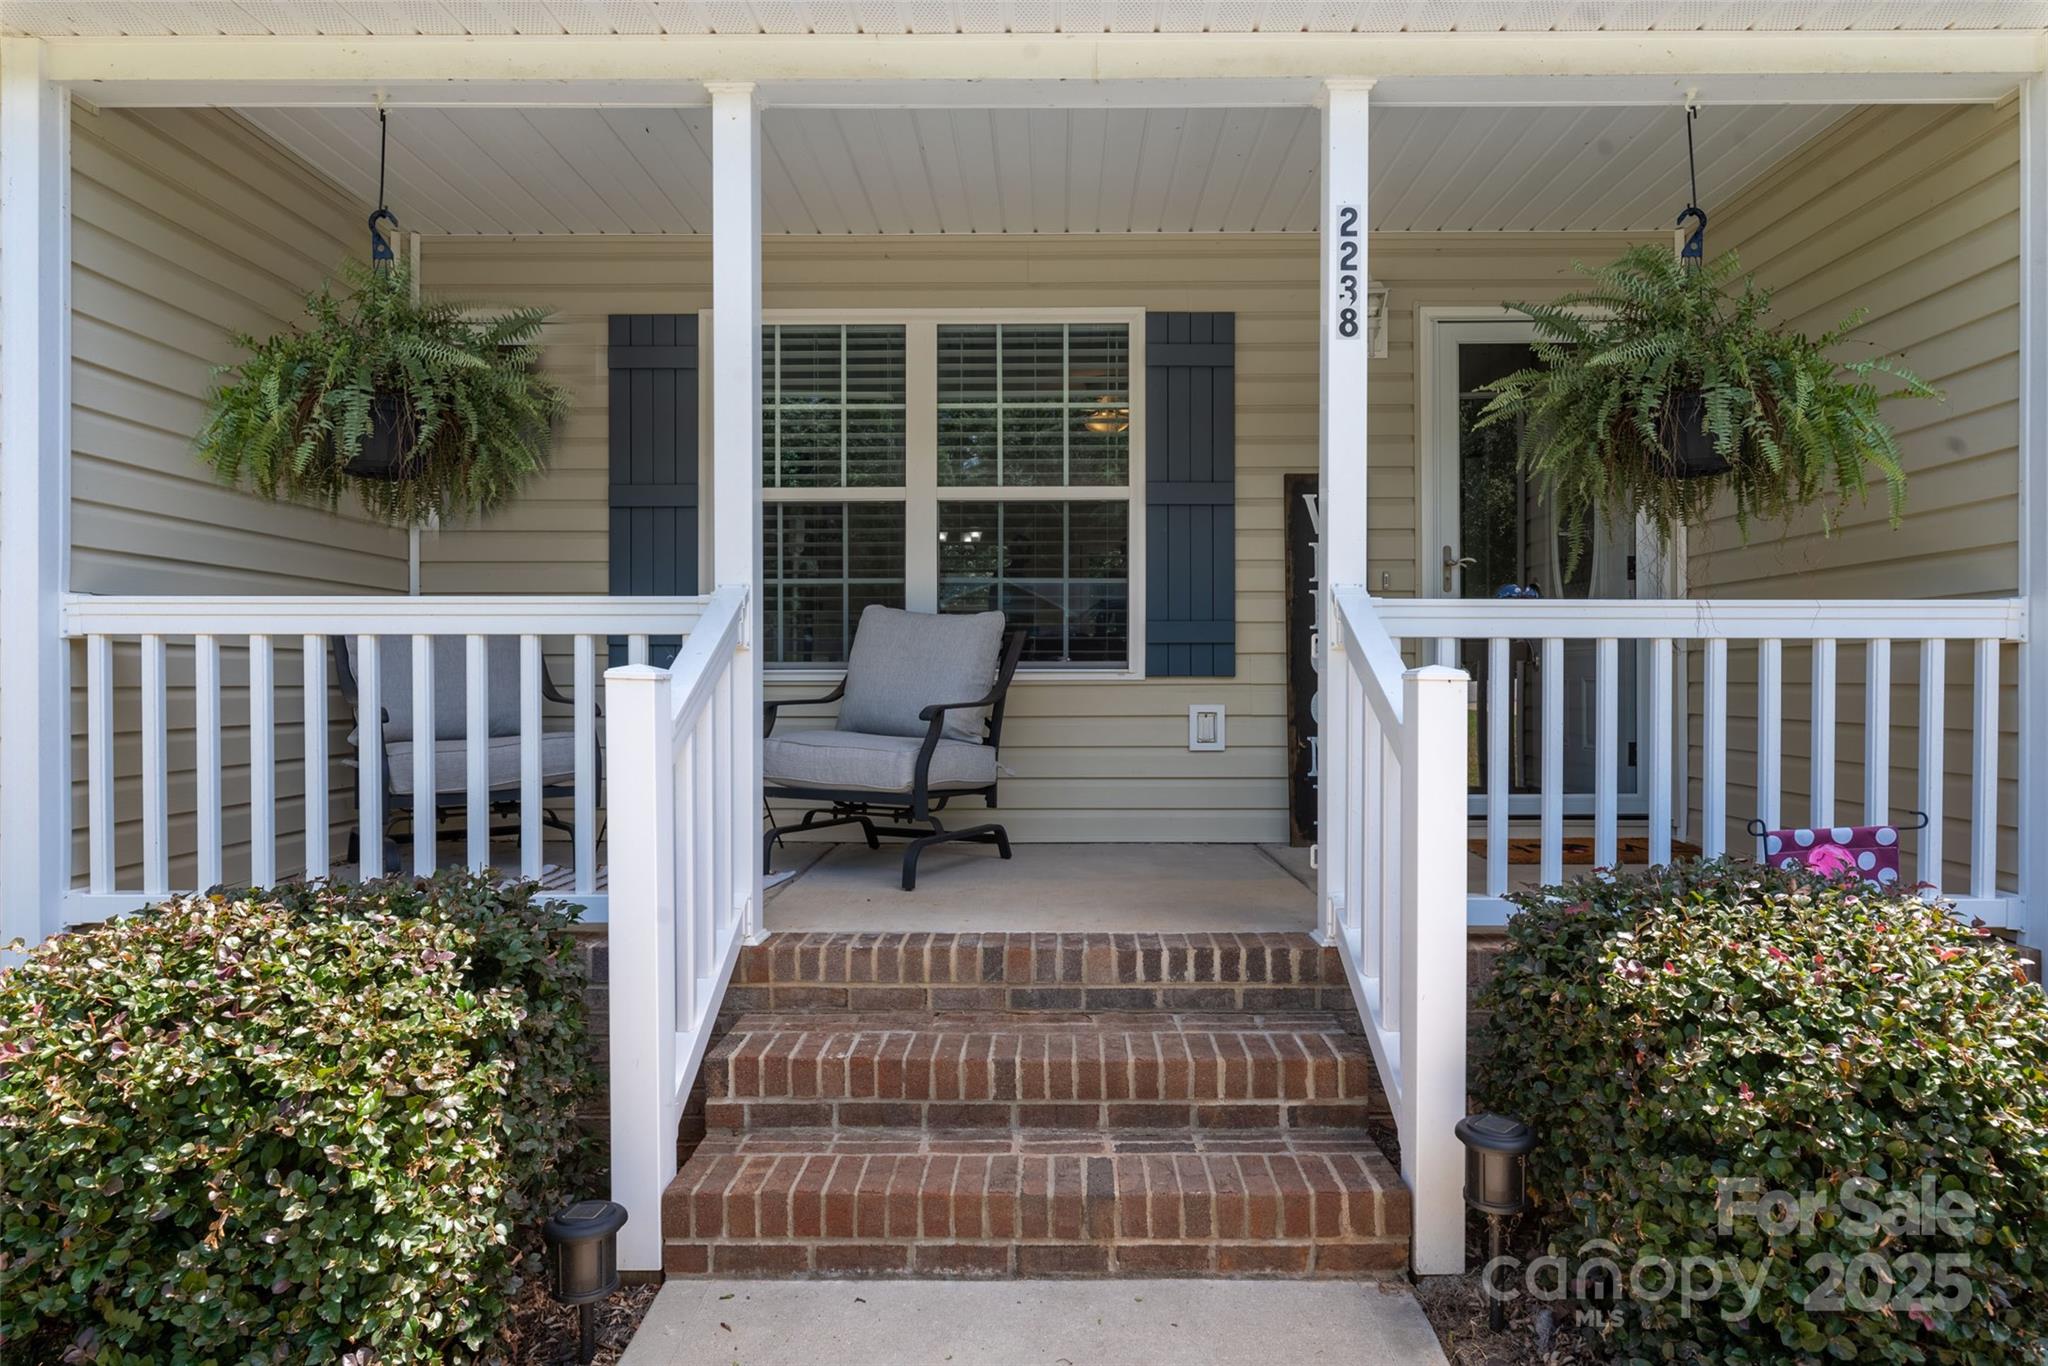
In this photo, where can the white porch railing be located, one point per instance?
(684, 852)
(1701, 758)
(1396, 880)
(182, 701)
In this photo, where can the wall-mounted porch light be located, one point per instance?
(1376, 319)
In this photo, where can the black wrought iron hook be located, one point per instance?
(380, 245)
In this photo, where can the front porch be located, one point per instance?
(1163, 262)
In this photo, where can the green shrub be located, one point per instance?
(1665, 1033)
(286, 1125)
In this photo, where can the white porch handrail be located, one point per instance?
(138, 646)
(681, 854)
(1395, 861)
(1740, 748)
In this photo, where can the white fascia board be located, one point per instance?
(106, 68)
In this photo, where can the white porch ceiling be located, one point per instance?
(107, 18)
(857, 171)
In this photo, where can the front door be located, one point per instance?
(1495, 534)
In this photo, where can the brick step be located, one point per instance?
(944, 1204)
(912, 971)
(1041, 1071)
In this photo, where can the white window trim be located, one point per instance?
(920, 466)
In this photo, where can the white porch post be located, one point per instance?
(35, 458)
(736, 441)
(2033, 530)
(1341, 548)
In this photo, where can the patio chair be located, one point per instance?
(451, 732)
(920, 724)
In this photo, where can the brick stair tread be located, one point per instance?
(1299, 1055)
(934, 1202)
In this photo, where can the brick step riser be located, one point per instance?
(1032, 972)
(1300, 1215)
(732, 1116)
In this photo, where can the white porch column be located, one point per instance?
(1340, 549)
(736, 440)
(2033, 530)
(35, 458)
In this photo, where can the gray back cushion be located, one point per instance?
(903, 662)
(451, 687)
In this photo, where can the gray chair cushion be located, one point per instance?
(839, 760)
(903, 662)
(501, 752)
(451, 686)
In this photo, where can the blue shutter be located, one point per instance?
(1191, 495)
(654, 495)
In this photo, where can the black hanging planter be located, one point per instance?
(388, 447)
(1689, 449)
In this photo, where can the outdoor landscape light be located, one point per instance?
(583, 1251)
(1496, 1184)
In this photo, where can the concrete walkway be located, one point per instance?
(1032, 1323)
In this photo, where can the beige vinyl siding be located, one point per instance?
(1912, 214)
(188, 227)
(1092, 760)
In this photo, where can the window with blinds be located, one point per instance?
(1006, 450)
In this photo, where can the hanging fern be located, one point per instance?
(1616, 361)
(473, 412)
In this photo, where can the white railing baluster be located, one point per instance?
(1659, 770)
(1389, 906)
(99, 763)
(585, 706)
(426, 852)
(313, 703)
(1681, 761)
(1551, 667)
(689, 846)
(206, 738)
(1823, 772)
(1877, 732)
(1714, 755)
(1497, 723)
(1984, 773)
(262, 762)
(723, 811)
(1770, 733)
(370, 756)
(476, 817)
(1334, 813)
(1606, 749)
(530, 854)
(1361, 799)
(156, 795)
(1933, 756)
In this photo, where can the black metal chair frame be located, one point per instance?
(398, 808)
(920, 803)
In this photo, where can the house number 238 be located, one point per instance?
(1348, 250)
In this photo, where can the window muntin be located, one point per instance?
(832, 406)
(883, 430)
(1034, 405)
(826, 562)
(1060, 570)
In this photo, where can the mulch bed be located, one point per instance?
(540, 1332)
(1534, 1335)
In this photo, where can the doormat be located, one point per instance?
(1579, 851)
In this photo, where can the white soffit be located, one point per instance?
(863, 171)
(385, 18)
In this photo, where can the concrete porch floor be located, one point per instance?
(1033, 1323)
(1046, 887)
